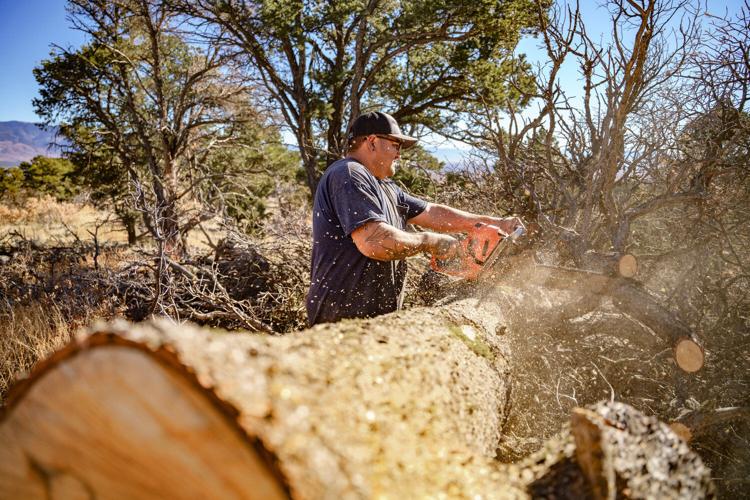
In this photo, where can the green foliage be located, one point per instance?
(50, 176)
(96, 166)
(459, 180)
(435, 83)
(11, 181)
(247, 173)
(427, 62)
(417, 170)
(42, 175)
(99, 170)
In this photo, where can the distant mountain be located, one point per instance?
(22, 141)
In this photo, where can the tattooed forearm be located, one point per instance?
(392, 243)
(381, 241)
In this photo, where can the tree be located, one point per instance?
(234, 180)
(49, 175)
(99, 170)
(11, 181)
(322, 63)
(246, 174)
(588, 169)
(652, 160)
(41, 175)
(150, 100)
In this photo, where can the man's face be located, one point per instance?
(386, 152)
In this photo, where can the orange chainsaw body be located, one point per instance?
(476, 249)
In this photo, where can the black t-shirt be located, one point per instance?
(345, 283)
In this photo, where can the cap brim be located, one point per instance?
(405, 140)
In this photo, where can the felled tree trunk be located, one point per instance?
(407, 405)
(611, 279)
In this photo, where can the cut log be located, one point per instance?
(627, 266)
(698, 422)
(407, 405)
(689, 355)
(636, 302)
(627, 295)
(613, 264)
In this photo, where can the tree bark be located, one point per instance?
(129, 222)
(407, 405)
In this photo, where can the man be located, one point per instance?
(359, 222)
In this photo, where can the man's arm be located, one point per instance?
(380, 241)
(447, 219)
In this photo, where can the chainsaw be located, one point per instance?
(488, 256)
(481, 250)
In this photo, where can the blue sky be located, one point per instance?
(29, 27)
(27, 30)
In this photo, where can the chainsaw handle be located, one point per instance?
(476, 247)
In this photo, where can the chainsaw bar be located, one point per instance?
(499, 251)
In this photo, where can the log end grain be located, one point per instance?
(627, 266)
(689, 355)
(682, 430)
(112, 422)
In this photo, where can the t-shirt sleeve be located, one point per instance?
(414, 206)
(355, 200)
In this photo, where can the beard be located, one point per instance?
(394, 166)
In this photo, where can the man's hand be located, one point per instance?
(441, 246)
(445, 219)
(506, 224)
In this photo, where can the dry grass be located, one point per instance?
(27, 334)
(41, 300)
(50, 283)
(45, 295)
(46, 220)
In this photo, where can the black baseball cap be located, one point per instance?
(379, 123)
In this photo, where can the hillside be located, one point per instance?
(21, 141)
